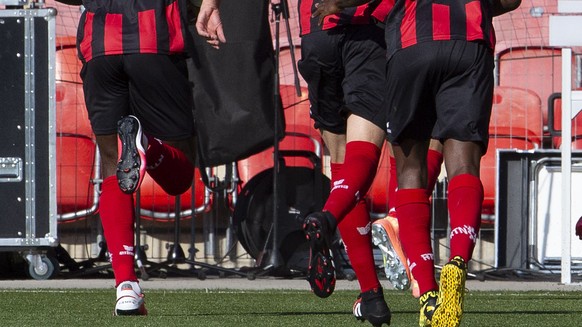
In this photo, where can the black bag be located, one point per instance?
(234, 87)
(302, 190)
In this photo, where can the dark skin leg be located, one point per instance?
(108, 151)
(410, 158)
(461, 158)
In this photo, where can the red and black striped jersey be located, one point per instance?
(370, 13)
(111, 27)
(414, 21)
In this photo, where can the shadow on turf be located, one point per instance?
(291, 314)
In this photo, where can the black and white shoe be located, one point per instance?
(131, 166)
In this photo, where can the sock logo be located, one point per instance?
(157, 163)
(427, 256)
(465, 230)
(339, 185)
(127, 250)
(364, 230)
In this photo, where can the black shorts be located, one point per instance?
(441, 90)
(154, 88)
(345, 72)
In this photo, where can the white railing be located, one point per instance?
(571, 105)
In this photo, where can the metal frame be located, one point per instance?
(166, 215)
(31, 239)
(37, 47)
(571, 106)
(550, 164)
(96, 180)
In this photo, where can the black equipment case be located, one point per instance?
(28, 215)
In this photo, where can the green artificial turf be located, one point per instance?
(274, 308)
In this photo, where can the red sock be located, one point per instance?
(117, 212)
(355, 232)
(169, 167)
(335, 169)
(464, 202)
(434, 160)
(413, 210)
(392, 184)
(358, 171)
